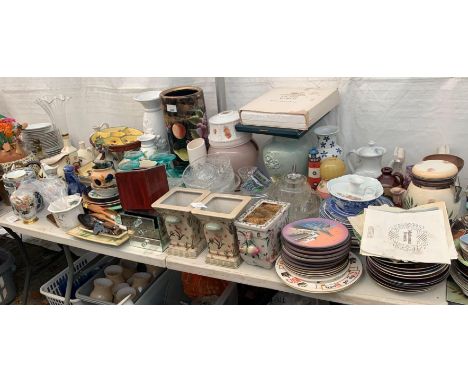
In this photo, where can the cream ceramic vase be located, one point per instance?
(185, 231)
(153, 118)
(434, 181)
(102, 290)
(217, 217)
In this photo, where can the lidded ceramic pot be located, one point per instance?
(224, 139)
(369, 160)
(103, 175)
(259, 231)
(185, 231)
(217, 213)
(434, 181)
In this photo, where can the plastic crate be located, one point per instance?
(7, 282)
(83, 293)
(54, 289)
(168, 290)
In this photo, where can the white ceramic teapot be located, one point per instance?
(369, 160)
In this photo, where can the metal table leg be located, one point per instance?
(71, 273)
(24, 252)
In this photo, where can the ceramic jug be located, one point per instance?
(369, 160)
(390, 179)
(327, 142)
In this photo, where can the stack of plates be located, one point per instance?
(406, 276)
(330, 209)
(459, 273)
(93, 197)
(315, 256)
(49, 138)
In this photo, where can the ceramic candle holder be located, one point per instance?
(218, 216)
(259, 230)
(184, 230)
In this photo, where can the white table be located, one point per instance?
(365, 291)
(44, 229)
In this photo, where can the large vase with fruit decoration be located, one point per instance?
(185, 119)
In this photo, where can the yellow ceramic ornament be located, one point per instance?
(331, 168)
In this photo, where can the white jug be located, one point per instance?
(369, 160)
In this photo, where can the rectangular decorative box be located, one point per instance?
(259, 232)
(217, 217)
(139, 188)
(185, 231)
(146, 232)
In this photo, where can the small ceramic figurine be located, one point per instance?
(369, 160)
(74, 184)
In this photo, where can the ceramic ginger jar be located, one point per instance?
(185, 232)
(217, 217)
(434, 181)
(259, 232)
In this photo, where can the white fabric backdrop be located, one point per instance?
(418, 114)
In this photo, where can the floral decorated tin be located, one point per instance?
(185, 231)
(217, 215)
(259, 232)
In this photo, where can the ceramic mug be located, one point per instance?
(140, 280)
(118, 286)
(114, 273)
(124, 292)
(128, 268)
(196, 149)
(102, 290)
